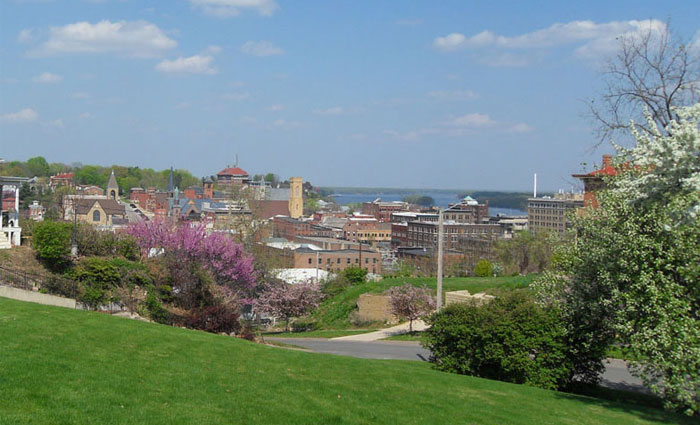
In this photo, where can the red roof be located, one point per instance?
(232, 172)
(63, 176)
(608, 170)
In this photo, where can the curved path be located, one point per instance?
(616, 375)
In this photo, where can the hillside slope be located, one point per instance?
(67, 366)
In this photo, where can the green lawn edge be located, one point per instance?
(67, 366)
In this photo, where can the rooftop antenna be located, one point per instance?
(236, 164)
(534, 189)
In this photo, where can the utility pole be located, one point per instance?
(317, 267)
(439, 269)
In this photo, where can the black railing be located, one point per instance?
(49, 284)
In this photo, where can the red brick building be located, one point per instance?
(382, 210)
(594, 181)
(232, 176)
(338, 260)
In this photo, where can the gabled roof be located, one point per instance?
(110, 206)
(232, 172)
(112, 182)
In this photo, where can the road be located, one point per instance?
(616, 375)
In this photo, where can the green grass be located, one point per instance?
(73, 367)
(322, 333)
(333, 312)
(411, 336)
(620, 353)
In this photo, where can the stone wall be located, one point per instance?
(375, 308)
(464, 296)
(35, 297)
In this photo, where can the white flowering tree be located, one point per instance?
(632, 274)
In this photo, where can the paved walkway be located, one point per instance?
(418, 325)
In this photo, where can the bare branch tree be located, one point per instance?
(653, 70)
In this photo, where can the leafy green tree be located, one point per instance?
(51, 241)
(355, 275)
(632, 275)
(424, 201)
(38, 166)
(526, 252)
(483, 268)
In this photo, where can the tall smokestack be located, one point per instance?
(534, 189)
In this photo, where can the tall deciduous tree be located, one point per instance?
(652, 70)
(632, 275)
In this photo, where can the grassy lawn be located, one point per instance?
(412, 336)
(74, 367)
(333, 313)
(322, 333)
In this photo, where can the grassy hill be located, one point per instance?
(333, 312)
(74, 367)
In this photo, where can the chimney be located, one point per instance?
(607, 160)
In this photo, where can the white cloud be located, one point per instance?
(81, 95)
(26, 36)
(182, 105)
(47, 78)
(506, 59)
(135, 39)
(85, 115)
(409, 136)
(260, 48)
(596, 38)
(229, 8)
(335, 110)
(286, 124)
(236, 96)
(197, 64)
(521, 127)
(475, 120)
(453, 95)
(276, 108)
(23, 115)
(56, 123)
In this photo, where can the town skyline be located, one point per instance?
(417, 97)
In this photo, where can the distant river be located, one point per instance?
(442, 199)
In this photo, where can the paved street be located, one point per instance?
(616, 374)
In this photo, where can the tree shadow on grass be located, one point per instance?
(643, 405)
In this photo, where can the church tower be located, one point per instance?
(112, 187)
(296, 197)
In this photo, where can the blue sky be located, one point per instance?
(448, 94)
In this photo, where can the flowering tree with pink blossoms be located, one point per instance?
(286, 301)
(411, 302)
(194, 258)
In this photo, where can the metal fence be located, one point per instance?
(51, 284)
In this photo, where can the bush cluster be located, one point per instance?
(216, 318)
(510, 339)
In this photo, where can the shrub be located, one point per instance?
(51, 241)
(483, 268)
(334, 286)
(510, 339)
(98, 277)
(215, 319)
(303, 324)
(155, 309)
(355, 275)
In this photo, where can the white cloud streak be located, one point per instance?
(47, 78)
(595, 38)
(197, 64)
(335, 110)
(21, 116)
(134, 39)
(231, 8)
(260, 48)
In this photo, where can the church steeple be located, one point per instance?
(170, 181)
(112, 187)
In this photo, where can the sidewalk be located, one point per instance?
(418, 325)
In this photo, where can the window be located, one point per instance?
(96, 215)
(366, 260)
(309, 260)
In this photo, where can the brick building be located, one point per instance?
(382, 210)
(595, 181)
(551, 214)
(338, 260)
(456, 235)
(232, 176)
(467, 211)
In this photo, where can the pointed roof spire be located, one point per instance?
(112, 182)
(170, 180)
